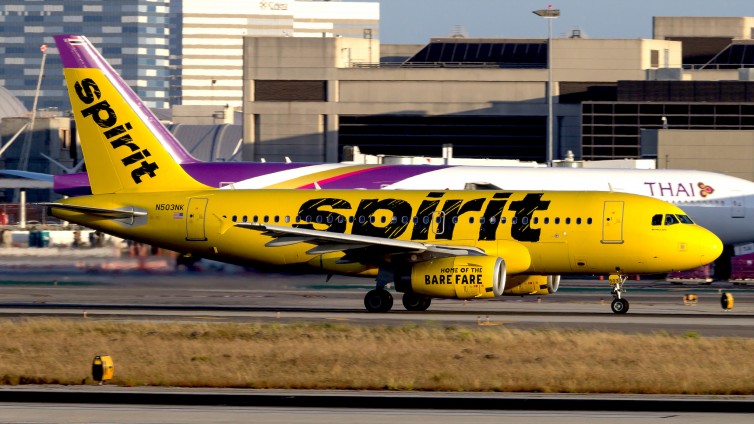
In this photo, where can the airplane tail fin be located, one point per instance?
(125, 147)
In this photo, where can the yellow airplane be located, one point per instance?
(429, 244)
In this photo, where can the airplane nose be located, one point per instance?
(710, 246)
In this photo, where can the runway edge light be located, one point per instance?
(726, 301)
(102, 369)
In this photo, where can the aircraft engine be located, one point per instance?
(457, 277)
(525, 285)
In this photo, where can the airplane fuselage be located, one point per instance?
(537, 232)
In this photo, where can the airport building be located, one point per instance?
(171, 52)
(310, 98)
(132, 35)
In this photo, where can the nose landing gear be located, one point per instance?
(619, 305)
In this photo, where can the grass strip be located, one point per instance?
(342, 356)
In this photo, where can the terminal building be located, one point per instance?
(309, 98)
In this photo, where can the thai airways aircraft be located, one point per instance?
(431, 244)
(718, 202)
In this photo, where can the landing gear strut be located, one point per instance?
(619, 305)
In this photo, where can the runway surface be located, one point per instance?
(141, 414)
(252, 296)
(59, 290)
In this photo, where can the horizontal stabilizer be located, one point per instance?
(28, 175)
(100, 212)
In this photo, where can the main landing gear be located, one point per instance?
(379, 299)
(619, 305)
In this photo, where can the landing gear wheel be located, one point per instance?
(619, 306)
(415, 302)
(378, 301)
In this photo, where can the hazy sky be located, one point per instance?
(416, 21)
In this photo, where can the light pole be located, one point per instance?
(549, 14)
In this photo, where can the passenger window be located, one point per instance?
(670, 219)
(382, 219)
(685, 219)
(298, 218)
(308, 218)
(415, 219)
(481, 220)
(535, 220)
(455, 220)
(568, 221)
(266, 218)
(657, 220)
(371, 219)
(547, 220)
(329, 219)
(514, 221)
(277, 218)
(394, 219)
(404, 220)
(493, 220)
(425, 220)
(362, 219)
(578, 221)
(256, 218)
(589, 221)
(341, 219)
(287, 219)
(319, 219)
(502, 220)
(350, 219)
(234, 219)
(244, 219)
(471, 220)
(525, 220)
(557, 220)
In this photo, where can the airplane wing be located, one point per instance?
(358, 248)
(100, 212)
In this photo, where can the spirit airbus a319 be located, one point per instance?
(429, 243)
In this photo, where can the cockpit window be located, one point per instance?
(685, 219)
(657, 219)
(670, 219)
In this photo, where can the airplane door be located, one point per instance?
(738, 206)
(197, 208)
(437, 226)
(612, 222)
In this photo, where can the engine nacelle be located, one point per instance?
(457, 277)
(524, 285)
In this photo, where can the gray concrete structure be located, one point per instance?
(286, 115)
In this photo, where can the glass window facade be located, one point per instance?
(115, 27)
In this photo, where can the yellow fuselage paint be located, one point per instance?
(562, 232)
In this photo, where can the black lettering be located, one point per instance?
(112, 132)
(132, 159)
(127, 141)
(488, 229)
(427, 207)
(525, 208)
(87, 90)
(368, 207)
(104, 122)
(146, 168)
(455, 208)
(331, 219)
